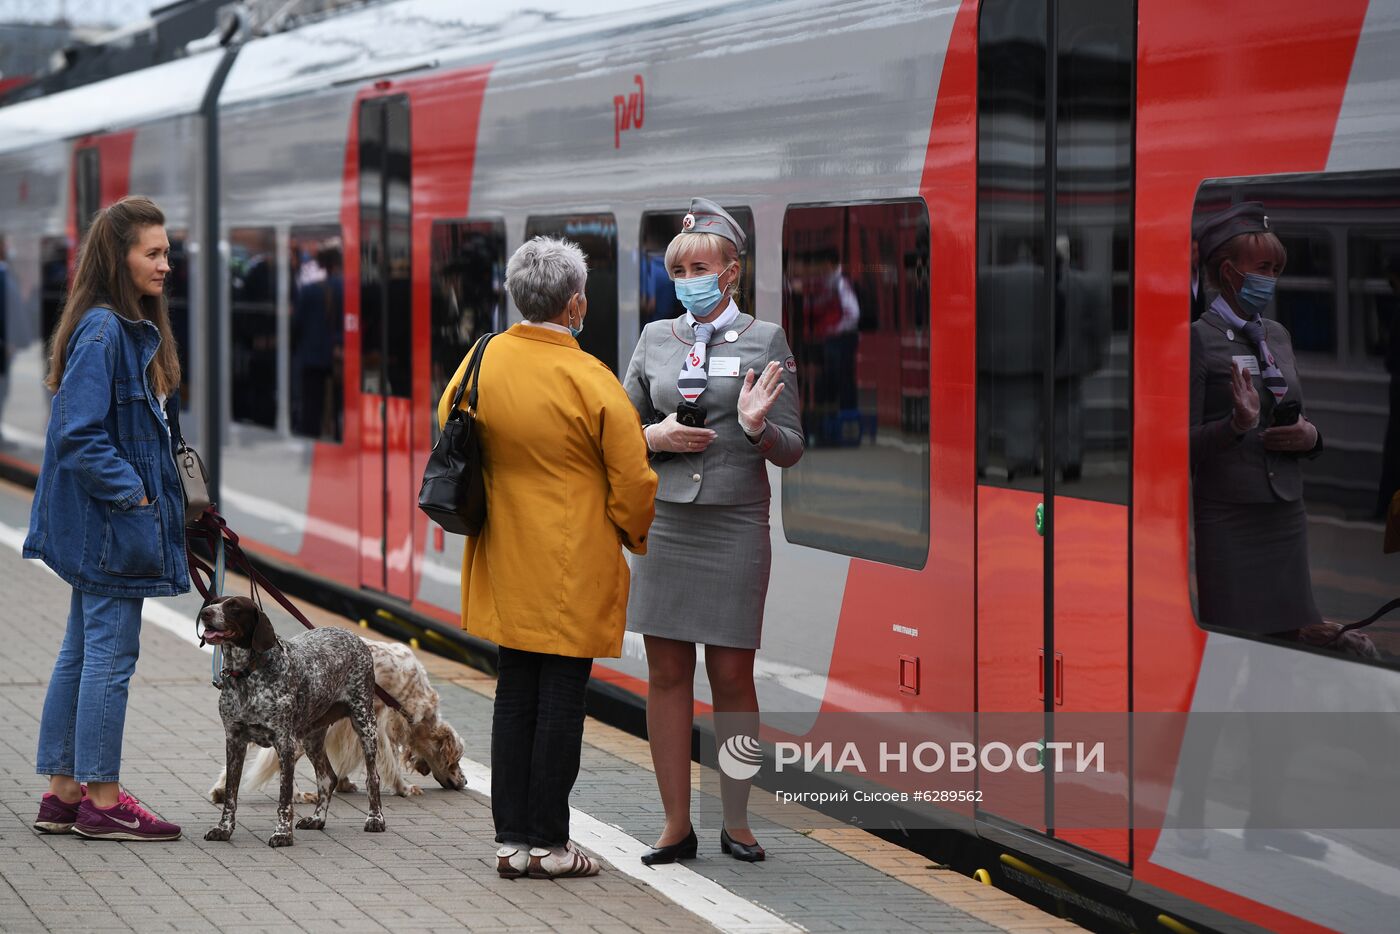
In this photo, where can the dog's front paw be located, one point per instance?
(311, 823)
(219, 833)
(374, 823)
(411, 790)
(216, 794)
(281, 838)
(309, 797)
(345, 787)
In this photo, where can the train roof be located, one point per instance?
(396, 38)
(126, 100)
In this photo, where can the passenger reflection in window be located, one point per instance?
(1248, 434)
(1390, 457)
(318, 341)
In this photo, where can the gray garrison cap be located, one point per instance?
(708, 217)
(1219, 229)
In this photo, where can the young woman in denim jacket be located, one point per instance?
(108, 512)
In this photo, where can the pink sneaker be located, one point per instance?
(126, 820)
(57, 815)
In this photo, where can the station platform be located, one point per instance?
(434, 869)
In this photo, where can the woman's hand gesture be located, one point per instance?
(758, 396)
(1246, 398)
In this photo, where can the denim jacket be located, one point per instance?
(106, 448)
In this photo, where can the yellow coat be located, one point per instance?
(567, 487)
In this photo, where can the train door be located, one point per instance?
(386, 483)
(1054, 384)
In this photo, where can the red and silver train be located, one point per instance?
(974, 220)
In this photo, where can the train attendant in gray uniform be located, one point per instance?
(1249, 434)
(717, 391)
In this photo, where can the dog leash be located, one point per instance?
(1392, 605)
(216, 663)
(213, 530)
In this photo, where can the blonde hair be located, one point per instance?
(1232, 249)
(686, 246)
(102, 277)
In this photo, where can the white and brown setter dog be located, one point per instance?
(415, 737)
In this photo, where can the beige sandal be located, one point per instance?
(512, 861)
(561, 862)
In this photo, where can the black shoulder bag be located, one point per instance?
(454, 491)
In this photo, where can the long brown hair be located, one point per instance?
(103, 278)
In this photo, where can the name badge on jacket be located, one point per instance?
(724, 366)
(1247, 363)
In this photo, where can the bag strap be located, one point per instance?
(475, 365)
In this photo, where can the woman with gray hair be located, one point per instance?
(567, 487)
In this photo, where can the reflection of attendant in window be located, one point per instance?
(317, 345)
(1251, 529)
(830, 323)
(1390, 322)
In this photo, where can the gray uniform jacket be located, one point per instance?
(731, 470)
(1236, 468)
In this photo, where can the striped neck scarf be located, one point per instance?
(693, 378)
(1254, 330)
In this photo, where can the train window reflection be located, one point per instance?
(596, 235)
(855, 309)
(5, 287)
(317, 358)
(177, 299)
(468, 283)
(253, 334)
(656, 294)
(53, 282)
(1291, 533)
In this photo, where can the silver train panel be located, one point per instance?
(1368, 127)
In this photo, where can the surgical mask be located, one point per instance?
(700, 295)
(1256, 291)
(575, 331)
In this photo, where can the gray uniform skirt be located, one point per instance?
(1252, 570)
(704, 577)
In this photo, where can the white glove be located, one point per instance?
(670, 435)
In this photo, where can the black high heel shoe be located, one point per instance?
(683, 849)
(744, 852)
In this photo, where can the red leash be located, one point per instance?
(209, 529)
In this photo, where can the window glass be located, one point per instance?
(53, 282)
(253, 334)
(468, 273)
(855, 309)
(4, 306)
(657, 296)
(386, 248)
(317, 332)
(88, 182)
(177, 298)
(1318, 518)
(596, 235)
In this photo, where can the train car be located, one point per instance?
(974, 220)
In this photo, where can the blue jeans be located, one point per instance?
(80, 733)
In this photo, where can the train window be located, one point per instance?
(253, 334)
(1290, 532)
(386, 253)
(596, 235)
(317, 332)
(87, 181)
(855, 308)
(177, 298)
(4, 306)
(468, 283)
(53, 282)
(657, 297)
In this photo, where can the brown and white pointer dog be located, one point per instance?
(285, 694)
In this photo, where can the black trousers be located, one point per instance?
(536, 738)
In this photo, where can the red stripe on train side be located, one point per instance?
(1222, 91)
(938, 600)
